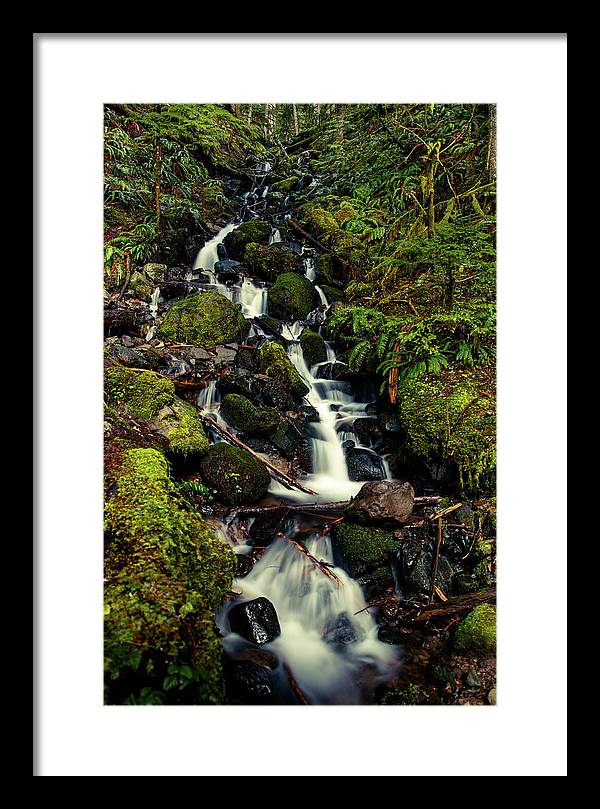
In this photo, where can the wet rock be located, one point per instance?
(308, 412)
(222, 251)
(124, 355)
(155, 272)
(292, 247)
(289, 439)
(126, 319)
(262, 657)
(266, 526)
(254, 230)
(173, 289)
(331, 370)
(140, 287)
(244, 565)
(385, 500)
(363, 464)
(313, 347)
(491, 697)
(248, 683)
(419, 576)
(368, 431)
(236, 475)
(275, 363)
(129, 342)
(316, 317)
(269, 262)
(340, 631)
(472, 679)
(390, 423)
(361, 549)
(201, 354)
(376, 582)
(291, 297)
(204, 319)
(224, 355)
(255, 620)
(240, 412)
(348, 444)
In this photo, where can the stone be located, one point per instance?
(248, 683)
(364, 464)
(244, 565)
(255, 620)
(491, 697)
(383, 501)
(340, 631)
(472, 679)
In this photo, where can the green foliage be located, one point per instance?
(413, 694)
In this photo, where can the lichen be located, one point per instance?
(166, 573)
(291, 297)
(313, 347)
(361, 548)
(204, 319)
(240, 412)
(477, 632)
(236, 475)
(275, 363)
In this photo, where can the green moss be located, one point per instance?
(286, 185)
(411, 695)
(166, 574)
(361, 548)
(269, 262)
(477, 632)
(180, 423)
(142, 393)
(345, 213)
(254, 230)
(325, 270)
(291, 297)
(275, 363)
(241, 412)
(205, 319)
(313, 347)
(451, 418)
(236, 475)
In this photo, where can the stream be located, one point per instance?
(328, 641)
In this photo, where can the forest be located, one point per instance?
(299, 404)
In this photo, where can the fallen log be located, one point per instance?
(339, 505)
(281, 476)
(436, 557)
(455, 605)
(352, 269)
(295, 687)
(316, 562)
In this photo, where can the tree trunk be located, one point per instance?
(430, 196)
(295, 113)
(250, 114)
(491, 156)
(157, 173)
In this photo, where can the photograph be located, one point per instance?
(299, 404)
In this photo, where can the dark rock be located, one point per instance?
(390, 423)
(472, 679)
(376, 582)
(221, 251)
(293, 247)
(252, 231)
(266, 526)
(368, 431)
(173, 289)
(308, 412)
(262, 657)
(248, 683)
(385, 500)
(255, 620)
(363, 464)
(228, 271)
(331, 370)
(288, 439)
(348, 444)
(244, 565)
(361, 549)
(126, 356)
(224, 355)
(317, 317)
(340, 631)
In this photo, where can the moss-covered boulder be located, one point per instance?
(268, 262)
(477, 632)
(236, 475)
(150, 397)
(287, 185)
(360, 548)
(204, 319)
(166, 574)
(240, 412)
(254, 230)
(275, 363)
(291, 297)
(449, 420)
(313, 347)
(325, 271)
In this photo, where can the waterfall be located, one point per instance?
(207, 256)
(154, 312)
(209, 397)
(275, 236)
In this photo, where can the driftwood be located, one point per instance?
(295, 687)
(455, 605)
(287, 481)
(316, 562)
(353, 270)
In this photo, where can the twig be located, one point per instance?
(316, 562)
(436, 557)
(295, 687)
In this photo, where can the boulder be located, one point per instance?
(236, 475)
(360, 549)
(383, 501)
(242, 413)
(275, 363)
(173, 289)
(477, 632)
(313, 347)
(289, 440)
(255, 620)
(291, 297)
(340, 631)
(269, 262)
(204, 319)
(155, 272)
(254, 230)
(368, 431)
(248, 683)
(364, 464)
(244, 565)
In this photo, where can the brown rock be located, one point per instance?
(383, 501)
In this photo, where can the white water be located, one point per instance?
(275, 236)
(153, 311)
(308, 604)
(209, 397)
(207, 256)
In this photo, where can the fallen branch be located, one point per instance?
(295, 687)
(454, 605)
(338, 505)
(436, 557)
(346, 264)
(281, 476)
(316, 562)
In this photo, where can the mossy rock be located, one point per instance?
(360, 548)
(204, 319)
(285, 186)
(275, 363)
(254, 230)
(240, 412)
(166, 574)
(291, 297)
(268, 262)
(141, 287)
(313, 347)
(450, 419)
(477, 632)
(332, 294)
(148, 396)
(236, 475)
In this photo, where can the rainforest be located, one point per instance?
(299, 404)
